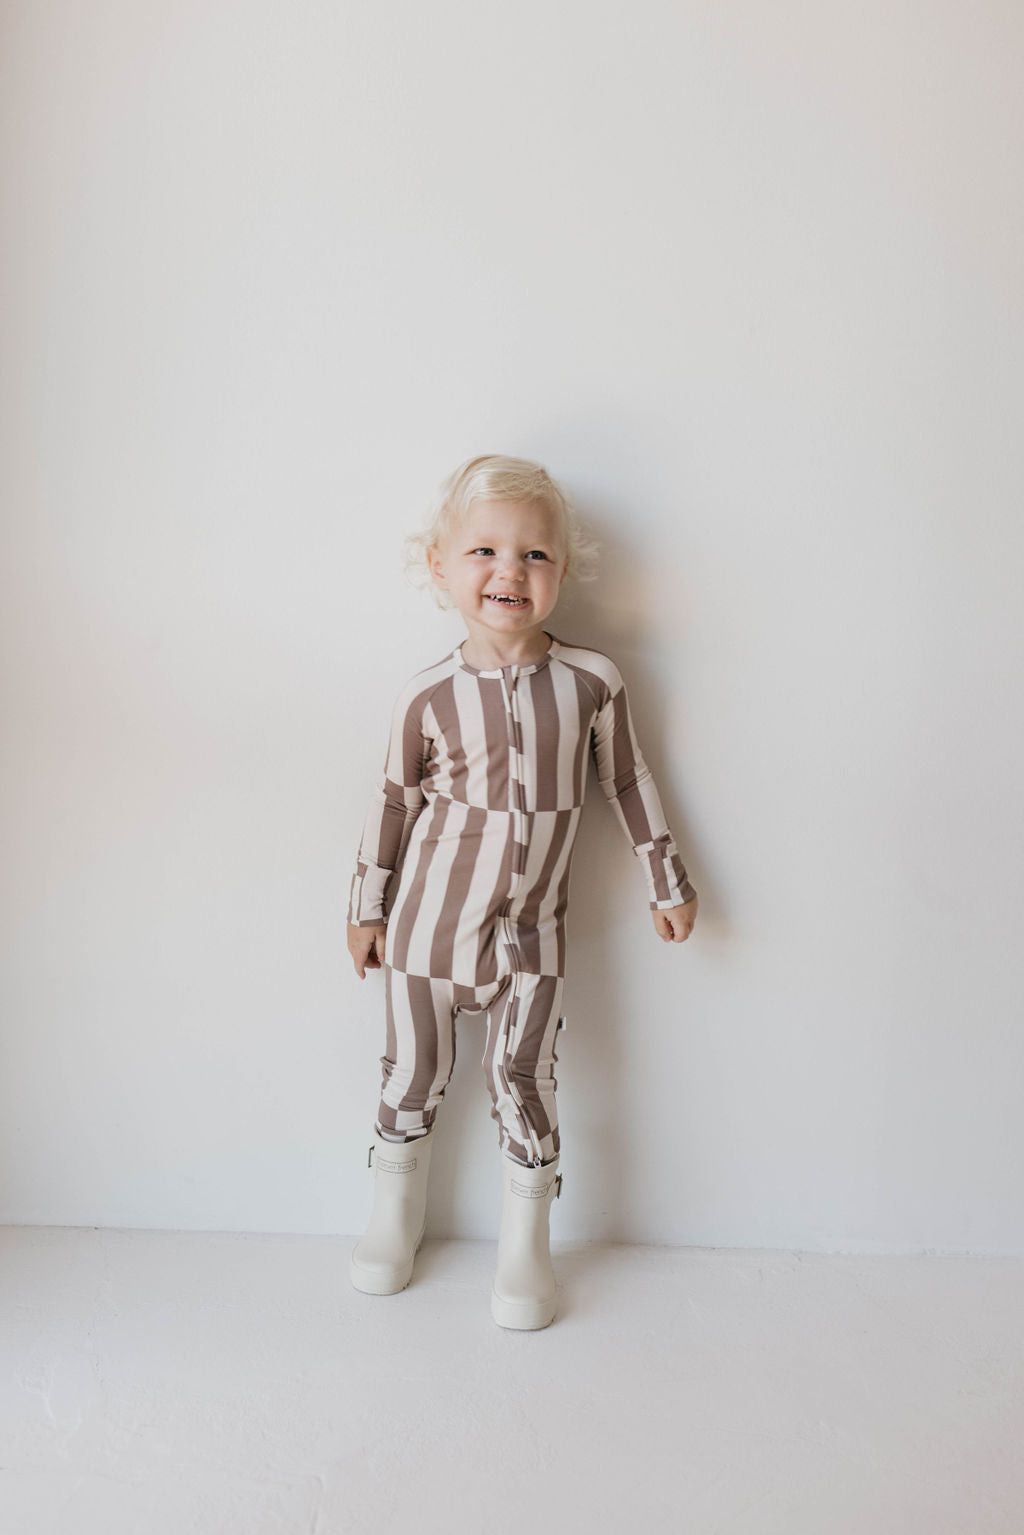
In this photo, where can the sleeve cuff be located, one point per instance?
(667, 881)
(367, 895)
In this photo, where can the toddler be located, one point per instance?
(462, 877)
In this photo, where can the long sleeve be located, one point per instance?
(631, 791)
(397, 800)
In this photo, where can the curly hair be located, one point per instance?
(496, 477)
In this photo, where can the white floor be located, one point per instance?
(164, 1383)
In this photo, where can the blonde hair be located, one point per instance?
(495, 477)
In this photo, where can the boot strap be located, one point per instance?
(558, 1186)
(369, 1159)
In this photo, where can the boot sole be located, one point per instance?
(382, 1281)
(524, 1315)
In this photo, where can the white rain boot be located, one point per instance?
(382, 1260)
(524, 1293)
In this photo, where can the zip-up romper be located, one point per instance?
(478, 808)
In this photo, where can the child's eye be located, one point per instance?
(483, 549)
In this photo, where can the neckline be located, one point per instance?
(499, 671)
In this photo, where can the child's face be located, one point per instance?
(502, 548)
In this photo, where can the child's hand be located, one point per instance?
(675, 923)
(366, 946)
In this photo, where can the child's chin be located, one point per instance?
(499, 607)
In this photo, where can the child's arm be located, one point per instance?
(396, 802)
(632, 793)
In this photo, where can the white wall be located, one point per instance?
(748, 279)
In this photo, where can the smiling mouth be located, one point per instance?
(506, 600)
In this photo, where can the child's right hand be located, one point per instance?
(366, 946)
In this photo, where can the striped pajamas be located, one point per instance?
(466, 855)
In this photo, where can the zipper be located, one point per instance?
(517, 789)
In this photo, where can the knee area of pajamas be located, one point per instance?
(518, 1059)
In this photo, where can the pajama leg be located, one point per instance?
(519, 1064)
(419, 1053)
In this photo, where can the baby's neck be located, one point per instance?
(523, 650)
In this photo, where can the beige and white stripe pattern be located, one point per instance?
(523, 1018)
(479, 805)
(466, 856)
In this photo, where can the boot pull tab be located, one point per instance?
(558, 1186)
(369, 1159)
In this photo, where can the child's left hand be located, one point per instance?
(675, 923)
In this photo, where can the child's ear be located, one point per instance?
(434, 564)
